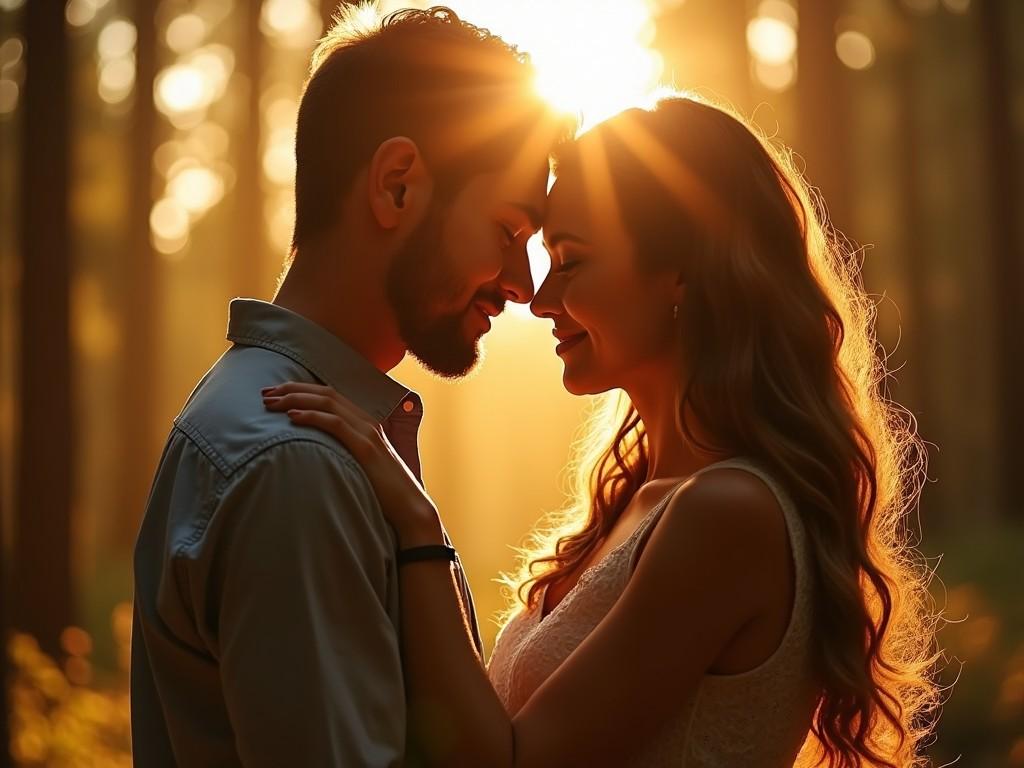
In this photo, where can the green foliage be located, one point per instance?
(982, 721)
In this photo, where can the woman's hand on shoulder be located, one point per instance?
(402, 499)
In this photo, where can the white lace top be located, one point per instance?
(756, 718)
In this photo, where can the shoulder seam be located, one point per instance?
(228, 469)
(214, 500)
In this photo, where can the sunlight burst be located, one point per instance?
(593, 57)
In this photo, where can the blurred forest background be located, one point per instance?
(146, 162)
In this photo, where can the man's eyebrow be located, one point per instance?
(532, 213)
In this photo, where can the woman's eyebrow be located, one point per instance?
(558, 238)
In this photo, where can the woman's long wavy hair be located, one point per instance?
(782, 366)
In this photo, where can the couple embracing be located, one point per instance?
(737, 589)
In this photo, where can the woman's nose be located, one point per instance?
(547, 302)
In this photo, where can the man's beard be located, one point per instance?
(421, 277)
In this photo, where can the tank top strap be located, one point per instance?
(794, 525)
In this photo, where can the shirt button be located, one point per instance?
(407, 406)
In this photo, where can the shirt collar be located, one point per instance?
(262, 324)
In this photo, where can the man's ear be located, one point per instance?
(399, 184)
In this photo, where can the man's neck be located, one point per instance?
(351, 306)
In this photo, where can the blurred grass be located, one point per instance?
(980, 588)
(63, 714)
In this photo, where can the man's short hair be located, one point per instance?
(465, 96)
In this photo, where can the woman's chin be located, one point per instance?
(577, 384)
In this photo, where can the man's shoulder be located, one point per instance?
(226, 421)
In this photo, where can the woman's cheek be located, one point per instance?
(576, 305)
(482, 253)
(597, 302)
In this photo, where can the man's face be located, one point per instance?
(464, 261)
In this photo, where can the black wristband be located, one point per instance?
(427, 552)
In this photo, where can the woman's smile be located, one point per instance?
(567, 342)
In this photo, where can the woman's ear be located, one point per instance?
(399, 184)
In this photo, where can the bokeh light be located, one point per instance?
(772, 43)
(76, 641)
(279, 156)
(116, 39)
(117, 79)
(11, 51)
(855, 49)
(115, 51)
(775, 77)
(12, 68)
(181, 88)
(290, 23)
(169, 226)
(78, 13)
(771, 40)
(197, 189)
(185, 32)
(185, 89)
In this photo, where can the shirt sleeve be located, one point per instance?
(308, 653)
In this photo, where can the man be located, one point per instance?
(266, 605)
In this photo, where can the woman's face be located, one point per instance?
(613, 318)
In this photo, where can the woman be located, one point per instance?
(736, 587)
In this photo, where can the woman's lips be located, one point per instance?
(569, 343)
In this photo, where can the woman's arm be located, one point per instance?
(710, 567)
(444, 675)
(694, 588)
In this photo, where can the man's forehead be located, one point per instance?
(525, 190)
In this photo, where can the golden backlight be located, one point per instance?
(496, 445)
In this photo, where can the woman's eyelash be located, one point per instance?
(566, 266)
(507, 231)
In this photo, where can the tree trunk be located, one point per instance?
(42, 551)
(1007, 253)
(139, 441)
(249, 270)
(822, 107)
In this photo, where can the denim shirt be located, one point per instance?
(266, 627)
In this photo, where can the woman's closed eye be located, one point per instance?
(566, 266)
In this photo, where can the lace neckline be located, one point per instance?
(540, 617)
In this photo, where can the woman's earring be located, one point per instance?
(675, 312)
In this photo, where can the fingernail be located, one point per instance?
(267, 389)
(293, 413)
(270, 399)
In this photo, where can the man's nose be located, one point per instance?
(516, 279)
